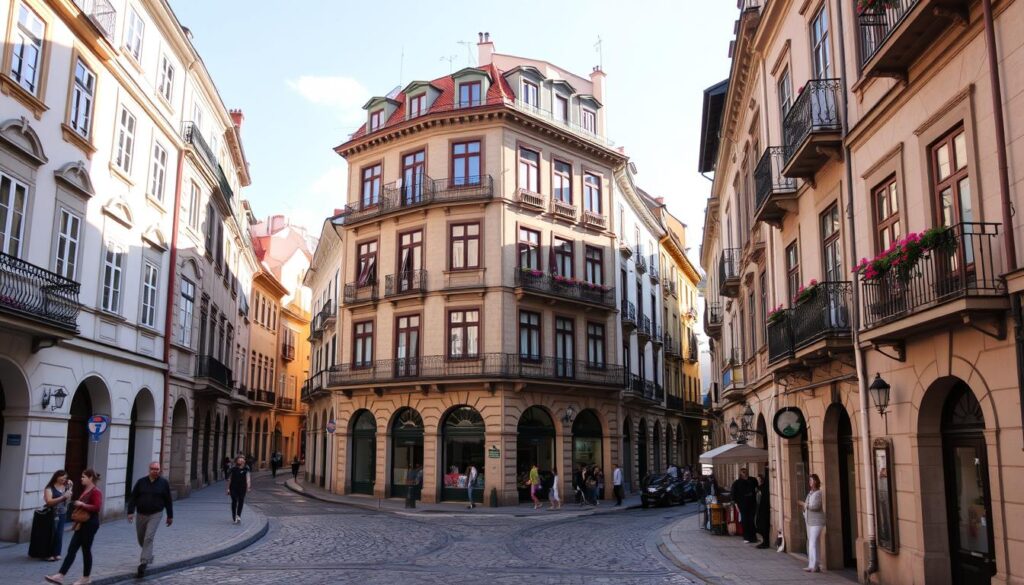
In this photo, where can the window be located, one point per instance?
(561, 108)
(529, 335)
(69, 230)
(469, 94)
(407, 347)
(531, 96)
(763, 283)
(951, 187)
(165, 85)
(362, 345)
(887, 214)
(125, 140)
(158, 174)
(466, 163)
(589, 120)
(561, 182)
(594, 258)
(565, 350)
(464, 244)
(785, 93)
(595, 345)
(822, 60)
(371, 186)
(12, 214)
(413, 177)
(188, 300)
(463, 334)
(133, 36)
(211, 229)
(26, 57)
(150, 284)
(113, 266)
(529, 174)
(529, 248)
(82, 96)
(563, 255)
(376, 120)
(592, 193)
(792, 270)
(191, 211)
(367, 264)
(417, 105)
(830, 246)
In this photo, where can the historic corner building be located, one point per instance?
(464, 301)
(839, 134)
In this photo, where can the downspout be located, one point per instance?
(169, 314)
(858, 353)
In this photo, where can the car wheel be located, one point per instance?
(644, 503)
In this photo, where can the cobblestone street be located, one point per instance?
(315, 542)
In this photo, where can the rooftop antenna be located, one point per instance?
(469, 51)
(450, 59)
(599, 46)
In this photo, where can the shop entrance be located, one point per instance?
(364, 453)
(463, 439)
(406, 451)
(535, 444)
(627, 456)
(641, 452)
(587, 439)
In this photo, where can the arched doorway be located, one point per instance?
(627, 455)
(216, 447)
(142, 433)
(206, 448)
(179, 444)
(587, 437)
(76, 450)
(406, 450)
(462, 437)
(641, 449)
(278, 439)
(323, 449)
(682, 458)
(364, 452)
(838, 441)
(968, 498)
(658, 467)
(265, 441)
(535, 444)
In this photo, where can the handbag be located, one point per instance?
(80, 515)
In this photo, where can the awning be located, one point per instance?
(734, 453)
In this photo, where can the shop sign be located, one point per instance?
(494, 453)
(332, 426)
(13, 440)
(97, 425)
(789, 422)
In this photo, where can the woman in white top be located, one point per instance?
(814, 518)
(556, 501)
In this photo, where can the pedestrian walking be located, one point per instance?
(617, 484)
(295, 468)
(471, 475)
(417, 481)
(744, 493)
(590, 480)
(534, 483)
(56, 495)
(276, 461)
(599, 490)
(86, 516)
(225, 466)
(814, 517)
(553, 497)
(764, 510)
(239, 484)
(150, 497)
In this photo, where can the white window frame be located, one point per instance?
(125, 147)
(150, 289)
(187, 292)
(588, 120)
(165, 85)
(28, 34)
(158, 172)
(69, 232)
(530, 93)
(113, 280)
(192, 209)
(83, 95)
(133, 35)
(12, 226)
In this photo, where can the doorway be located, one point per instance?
(847, 480)
(76, 451)
(535, 445)
(406, 451)
(627, 455)
(641, 452)
(364, 453)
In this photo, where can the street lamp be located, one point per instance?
(734, 430)
(570, 414)
(748, 417)
(57, 396)
(879, 391)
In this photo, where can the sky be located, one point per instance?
(301, 71)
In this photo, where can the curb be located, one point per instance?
(669, 550)
(189, 562)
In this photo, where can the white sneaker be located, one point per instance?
(235, 521)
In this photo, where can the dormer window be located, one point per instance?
(561, 108)
(530, 94)
(588, 120)
(417, 105)
(376, 120)
(469, 94)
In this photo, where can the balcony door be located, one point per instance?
(954, 264)
(413, 177)
(410, 260)
(12, 215)
(565, 348)
(407, 346)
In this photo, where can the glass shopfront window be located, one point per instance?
(535, 444)
(586, 440)
(463, 439)
(406, 452)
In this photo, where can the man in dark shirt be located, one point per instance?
(150, 496)
(239, 483)
(744, 494)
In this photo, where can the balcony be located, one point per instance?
(315, 385)
(713, 319)
(640, 260)
(656, 335)
(824, 316)
(655, 272)
(956, 282)
(560, 288)
(288, 352)
(530, 199)
(285, 403)
(627, 313)
(211, 374)
(323, 320)
(812, 130)
(412, 282)
(263, 398)
(102, 14)
(37, 301)
(395, 198)
(548, 116)
(357, 293)
(775, 194)
(732, 379)
(780, 338)
(192, 136)
(673, 349)
(594, 220)
(729, 273)
(625, 248)
(563, 210)
(639, 389)
(891, 39)
(692, 349)
(492, 365)
(643, 329)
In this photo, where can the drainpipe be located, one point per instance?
(858, 353)
(169, 314)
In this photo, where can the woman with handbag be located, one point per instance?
(86, 516)
(57, 493)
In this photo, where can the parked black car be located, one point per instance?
(665, 490)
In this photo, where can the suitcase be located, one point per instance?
(41, 544)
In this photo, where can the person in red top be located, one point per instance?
(90, 500)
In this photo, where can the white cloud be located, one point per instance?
(344, 95)
(331, 185)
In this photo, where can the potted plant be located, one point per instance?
(776, 315)
(806, 293)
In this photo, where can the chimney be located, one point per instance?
(237, 117)
(485, 48)
(597, 80)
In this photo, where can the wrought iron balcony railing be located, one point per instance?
(29, 291)
(877, 24)
(769, 181)
(102, 14)
(191, 134)
(816, 109)
(643, 328)
(409, 282)
(565, 288)
(640, 260)
(573, 127)
(491, 365)
(654, 272)
(357, 292)
(212, 369)
(395, 197)
(780, 337)
(692, 349)
(637, 387)
(656, 335)
(825, 313)
(713, 317)
(627, 313)
(288, 352)
(729, 272)
(285, 403)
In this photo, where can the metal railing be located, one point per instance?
(728, 267)
(394, 197)
(410, 281)
(671, 346)
(713, 315)
(641, 261)
(962, 264)
(285, 403)
(656, 334)
(288, 352)
(878, 23)
(692, 349)
(768, 177)
(627, 312)
(490, 365)
(780, 337)
(324, 316)
(655, 271)
(102, 14)
(637, 387)
(37, 293)
(569, 289)
(644, 326)
(824, 313)
(816, 109)
(549, 116)
(191, 134)
(211, 368)
(358, 292)
(263, 396)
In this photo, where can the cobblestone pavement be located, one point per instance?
(313, 542)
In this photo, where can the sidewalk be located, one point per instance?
(727, 559)
(202, 531)
(397, 505)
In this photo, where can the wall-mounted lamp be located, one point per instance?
(879, 391)
(55, 396)
(570, 414)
